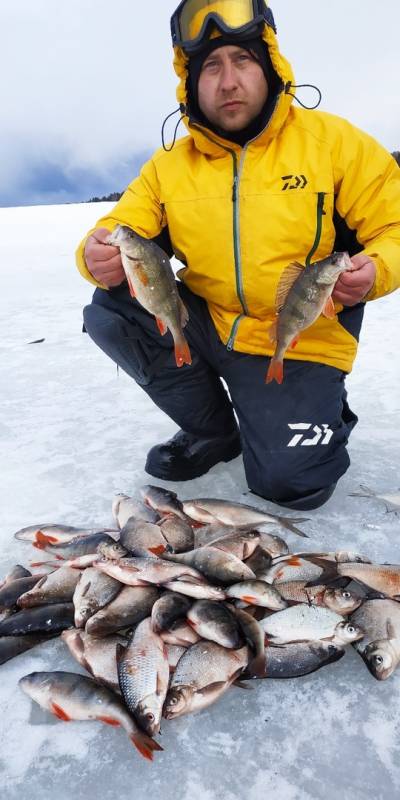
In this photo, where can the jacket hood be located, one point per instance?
(208, 141)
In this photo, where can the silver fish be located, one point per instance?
(97, 656)
(164, 501)
(52, 533)
(142, 538)
(178, 533)
(203, 674)
(298, 658)
(257, 593)
(380, 647)
(254, 636)
(214, 564)
(214, 621)
(136, 571)
(57, 587)
(200, 591)
(180, 633)
(93, 591)
(75, 697)
(125, 507)
(167, 609)
(42, 619)
(384, 578)
(343, 601)
(12, 590)
(143, 672)
(16, 572)
(129, 607)
(309, 623)
(209, 510)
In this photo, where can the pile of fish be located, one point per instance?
(183, 599)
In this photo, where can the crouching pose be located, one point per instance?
(257, 185)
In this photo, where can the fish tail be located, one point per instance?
(275, 371)
(182, 352)
(288, 523)
(144, 744)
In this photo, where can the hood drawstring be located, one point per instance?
(289, 85)
(182, 111)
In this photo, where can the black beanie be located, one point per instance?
(255, 46)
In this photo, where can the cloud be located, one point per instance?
(86, 84)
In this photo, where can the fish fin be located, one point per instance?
(184, 313)
(44, 538)
(294, 342)
(286, 281)
(142, 274)
(162, 327)
(109, 721)
(60, 713)
(212, 687)
(159, 682)
(182, 353)
(273, 332)
(288, 523)
(328, 310)
(144, 744)
(44, 564)
(131, 287)
(249, 599)
(86, 589)
(119, 652)
(275, 371)
(391, 631)
(160, 548)
(242, 685)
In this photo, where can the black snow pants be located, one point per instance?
(293, 435)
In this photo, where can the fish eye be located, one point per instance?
(346, 595)
(378, 660)
(351, 629)
(150, 717)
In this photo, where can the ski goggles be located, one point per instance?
(193, 20)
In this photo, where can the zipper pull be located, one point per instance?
(229, 345)
(234, 189)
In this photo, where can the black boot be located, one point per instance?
(186, 456)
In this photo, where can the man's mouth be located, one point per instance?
(231, 105)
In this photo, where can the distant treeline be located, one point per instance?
(113, 197)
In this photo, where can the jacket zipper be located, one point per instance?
(236, 247)
(320, 213)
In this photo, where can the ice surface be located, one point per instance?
(73, 432)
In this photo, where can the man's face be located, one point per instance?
(232, 88)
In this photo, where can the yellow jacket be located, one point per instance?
(238, 216)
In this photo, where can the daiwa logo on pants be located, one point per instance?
(318, 434)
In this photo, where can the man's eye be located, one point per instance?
(210, 65)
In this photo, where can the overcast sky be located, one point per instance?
(86, 84)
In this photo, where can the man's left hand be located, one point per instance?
(353, 285)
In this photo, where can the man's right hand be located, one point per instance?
(103, 260)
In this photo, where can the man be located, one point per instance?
(256, 185)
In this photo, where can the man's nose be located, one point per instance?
(228, 78)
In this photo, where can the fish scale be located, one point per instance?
(143, 673)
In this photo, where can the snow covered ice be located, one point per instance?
(72, 433)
